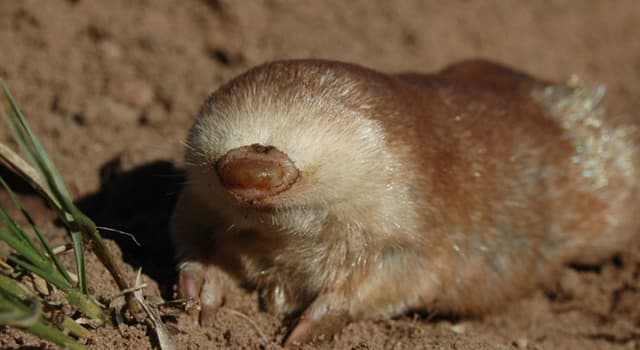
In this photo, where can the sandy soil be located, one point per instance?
(112, 86)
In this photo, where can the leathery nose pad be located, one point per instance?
(254, 173)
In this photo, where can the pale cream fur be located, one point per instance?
(315, 137)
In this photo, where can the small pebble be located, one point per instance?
(521, 343)
(136, 93)
(105, 110)
(110, 49)
(459, 328)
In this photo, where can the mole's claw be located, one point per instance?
(322, 318)
(190, 280)
(206, 283)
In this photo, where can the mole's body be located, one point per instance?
(350, 194)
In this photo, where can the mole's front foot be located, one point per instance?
(327, 315)
(206, 283)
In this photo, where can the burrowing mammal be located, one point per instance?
(352, 194)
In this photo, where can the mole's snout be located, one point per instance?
(253, 173)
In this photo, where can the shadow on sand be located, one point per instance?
(140, 202)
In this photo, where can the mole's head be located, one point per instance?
(289, 135)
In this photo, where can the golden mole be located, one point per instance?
(346, 194)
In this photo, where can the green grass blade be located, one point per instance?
(26, 244)
(15, 312)
(21, 246)
(34, 146)
(45, 167)
(87, 305)
(54, 335)
(52, 256)
(10, 221)
(19, 316)
(79, 225)
(16, 289)
(23, 142)
(19, 139)
(78, 248)
(48, 274)
(30, 175)
(12, 287)
(17, 244)
(74, 328)
(82, 301)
